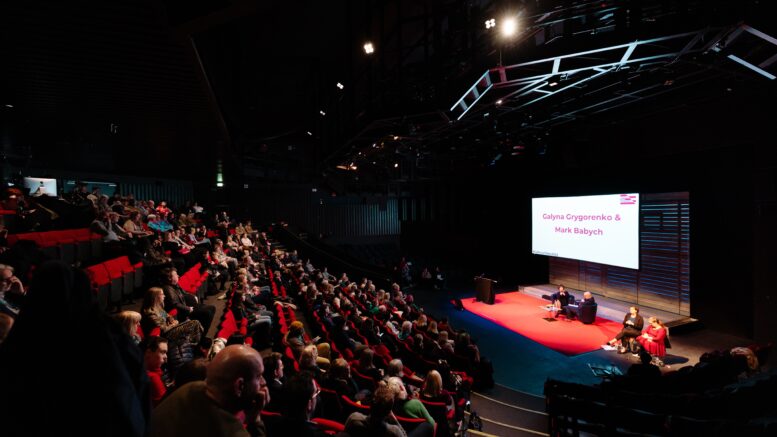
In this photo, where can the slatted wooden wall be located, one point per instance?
(175, 193)
(663, 279)
(318, 212)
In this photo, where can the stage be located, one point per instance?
(610, 309)
(524, 364)
(522, 312)
(525, 315)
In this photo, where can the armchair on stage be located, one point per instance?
(587, 313)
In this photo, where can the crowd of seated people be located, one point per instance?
(357, 349)
(369, 333)
(167, 241)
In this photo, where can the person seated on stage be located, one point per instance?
(561, 300)
(632, 328)
(588, 299)
(653, 340)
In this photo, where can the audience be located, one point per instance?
(273, 375)
(227, 403)
(130, 322)
(412, 408)
(186, 305)
(301, 397)
(224, 397)
(154, 357)
(59, 333)
(381, 421)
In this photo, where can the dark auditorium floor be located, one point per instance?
(524, 365)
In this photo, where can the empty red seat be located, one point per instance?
(101, 283)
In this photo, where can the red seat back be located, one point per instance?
(98, 274)
(114, 269)
(328, 425)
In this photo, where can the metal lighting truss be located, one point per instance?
(517, 86)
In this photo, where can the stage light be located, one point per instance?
(340, 86)
(396, 164)
(499, 102)
(8, 105)
(322, 113)
(369, 48)
(396, 137)
(310, 133)
(220, 184)
(553, 83)
(509, 26)
(490, 23)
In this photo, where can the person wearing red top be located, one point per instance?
(162, 210)
(653, 339)
(154, 357)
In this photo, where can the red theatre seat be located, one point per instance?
(328, 426)
(101, 283)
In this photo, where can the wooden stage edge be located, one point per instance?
(611, 309)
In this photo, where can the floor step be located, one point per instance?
(497, 428)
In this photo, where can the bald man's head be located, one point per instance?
(235, 378)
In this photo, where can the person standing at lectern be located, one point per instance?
(561, 300)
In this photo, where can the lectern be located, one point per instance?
(484, 289)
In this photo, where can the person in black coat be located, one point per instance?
(562, 299)
(632, 328)
(186, 305)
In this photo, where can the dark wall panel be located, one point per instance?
(319, 213)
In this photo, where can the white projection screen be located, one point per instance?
(41, 186)
(602, 229)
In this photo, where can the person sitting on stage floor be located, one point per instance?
(653, 340)
(561, 300)
(632, 328)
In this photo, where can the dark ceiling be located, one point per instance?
(172, 87)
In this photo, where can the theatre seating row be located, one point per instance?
(195, 282)
(115, 280)
(68, 245)
(735, 409)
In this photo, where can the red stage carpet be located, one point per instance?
(521, 313)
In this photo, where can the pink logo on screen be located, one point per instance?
(628, 199)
